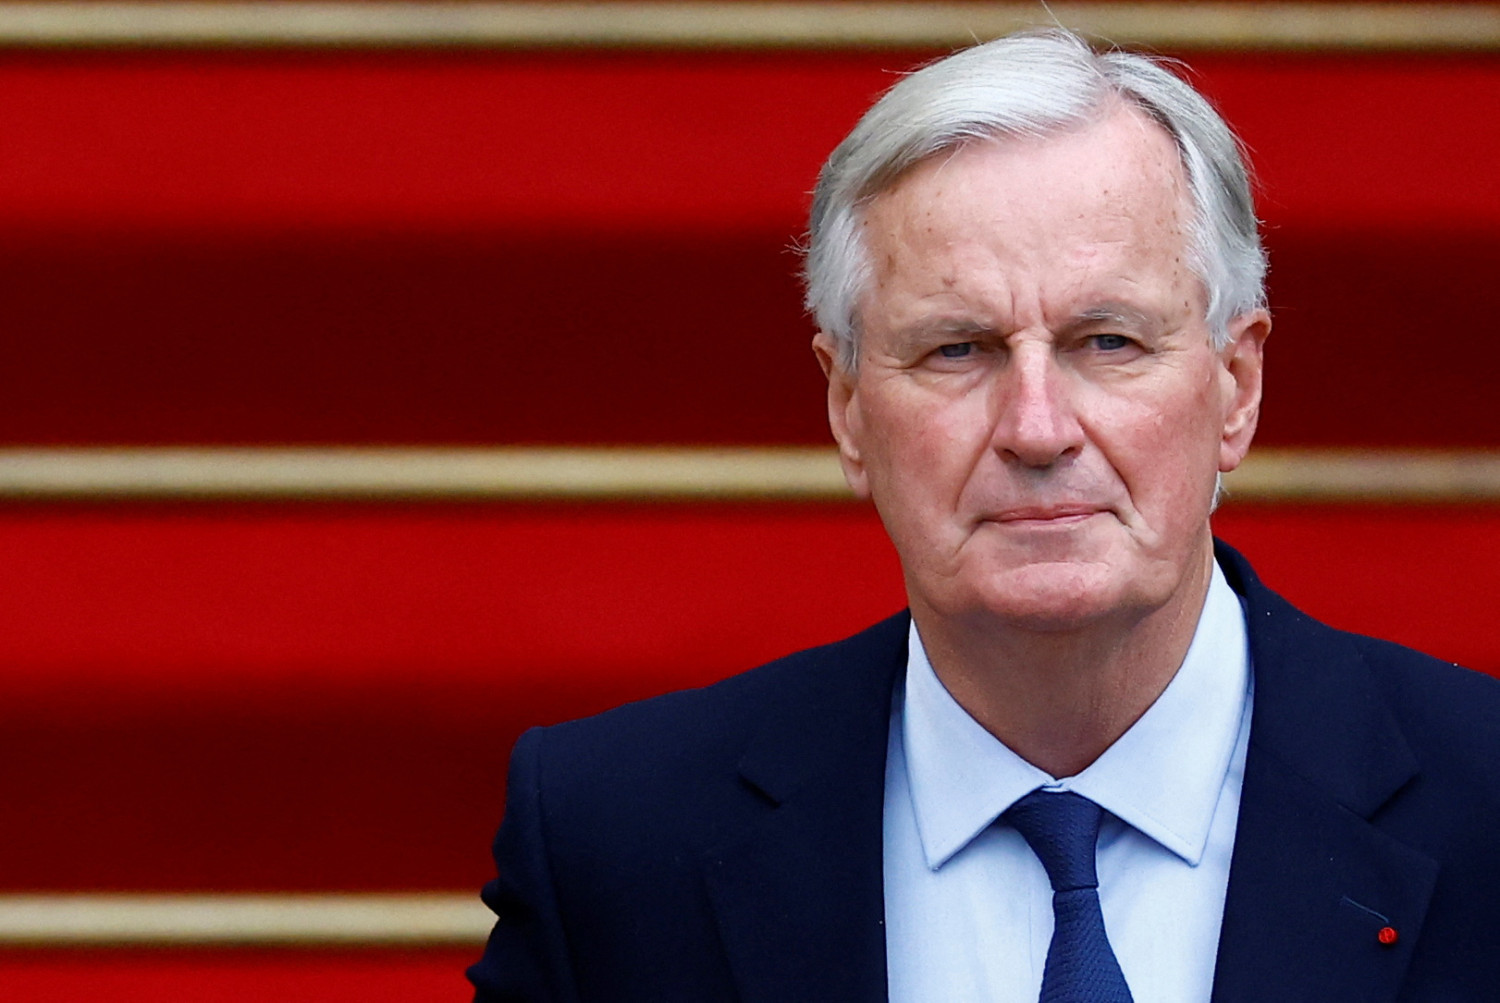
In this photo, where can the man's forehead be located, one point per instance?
(1126, 138)
(1096, 219)
(1123, 174)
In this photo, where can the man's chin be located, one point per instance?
(1051, 597)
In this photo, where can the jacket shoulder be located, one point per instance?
(1323, 681)
(696, 729)
(1448, 713)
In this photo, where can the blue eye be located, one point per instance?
(957, 351)
(1111, 342)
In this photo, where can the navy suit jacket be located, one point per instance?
(725, 843)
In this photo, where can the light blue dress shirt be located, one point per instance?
(968, 906)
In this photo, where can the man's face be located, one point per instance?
(1038, 412)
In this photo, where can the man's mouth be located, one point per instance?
(1046, 515)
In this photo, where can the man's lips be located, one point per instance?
(1046, 514)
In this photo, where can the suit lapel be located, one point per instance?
(799, 893)
(1313, 882)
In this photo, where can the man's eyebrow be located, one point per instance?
(938, 327)
(948, 325)
(1114, 313)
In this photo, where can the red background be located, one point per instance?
(567, 248)
(557, 248)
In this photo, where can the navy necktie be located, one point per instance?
(1062, 829)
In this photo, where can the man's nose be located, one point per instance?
(1036, 424)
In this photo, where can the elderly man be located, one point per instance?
(1097, 761)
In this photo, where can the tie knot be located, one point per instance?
(1062, 829)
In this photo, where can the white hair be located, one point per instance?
(1032, 84)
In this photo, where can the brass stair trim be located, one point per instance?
(646, 473)
(743, 24)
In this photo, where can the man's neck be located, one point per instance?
(1058, 699)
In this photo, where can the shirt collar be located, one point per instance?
(1162, 777)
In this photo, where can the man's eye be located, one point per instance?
(958, 351)
(1111, 342)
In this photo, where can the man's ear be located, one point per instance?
(843, 412)
(1243, 360)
